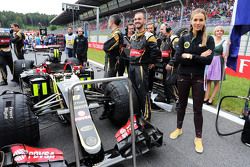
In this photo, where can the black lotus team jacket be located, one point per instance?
(113, 46)
(144, 49)
(190, 44)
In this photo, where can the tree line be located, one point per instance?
(26, 21)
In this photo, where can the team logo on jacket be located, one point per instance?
(186, 45)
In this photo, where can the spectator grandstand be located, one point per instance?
(219, 13)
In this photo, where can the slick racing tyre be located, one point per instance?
(20, 66)
(119, 111)
(18, 124)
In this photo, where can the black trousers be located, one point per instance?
(184, 85)
(151, 75)
(170, 89)
(19, 53)
(138, 74)
(6, 60)
(70, 52)
(111, 67)
(81, 57)
(123, 64)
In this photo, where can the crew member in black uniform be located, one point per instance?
(194, 51)
(18, 38)
(169, 41)
(5, 57)
(151, 74)
(81, 46)
(143, 54)
(124, 59)
(113, 47)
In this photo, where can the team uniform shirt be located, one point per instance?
(193, 45)
(144, 48)
(113, 46)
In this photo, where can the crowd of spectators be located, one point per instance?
(219, 13)
(36, 39)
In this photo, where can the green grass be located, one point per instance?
(234, 86)
(231, 86)
(96, 55)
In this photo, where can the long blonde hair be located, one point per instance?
(204, 33)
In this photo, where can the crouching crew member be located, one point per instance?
(113, 47)
(143, 53)
(81, 46)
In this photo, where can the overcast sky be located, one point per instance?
(31, 6)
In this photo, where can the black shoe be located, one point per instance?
(2, 83)
(209, 103)
(205, 101)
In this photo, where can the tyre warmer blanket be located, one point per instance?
(20, 155)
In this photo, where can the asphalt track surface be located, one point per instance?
(218, 151)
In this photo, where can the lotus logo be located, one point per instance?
(19, 155)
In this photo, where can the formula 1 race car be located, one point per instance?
(47, 88)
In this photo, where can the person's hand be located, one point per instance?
(150, 66)
(168, 67)
(206, 53)
(186, 56)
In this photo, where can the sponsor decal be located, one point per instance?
(86, 128)
(243, 68)
(165, 53)
(136, 52)
(80, 102)
(8, 113)
(26, 154)
(78, 107)
(83, 118)
(186, 45)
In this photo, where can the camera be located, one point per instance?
(11, 31)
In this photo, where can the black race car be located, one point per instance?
(47, 87)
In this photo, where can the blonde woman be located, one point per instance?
(215, 70)
(194, 52)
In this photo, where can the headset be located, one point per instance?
(168, 28)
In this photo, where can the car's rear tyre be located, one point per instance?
(20, 66)
(18, 124)
(118, 92)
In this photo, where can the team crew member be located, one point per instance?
(81, 46)
(168, 51)
(124, 60)
(151, 28)
(194, 52)
(18, 38)
(143, 53)
(5, 58)
(113, 47)
(69, 42)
